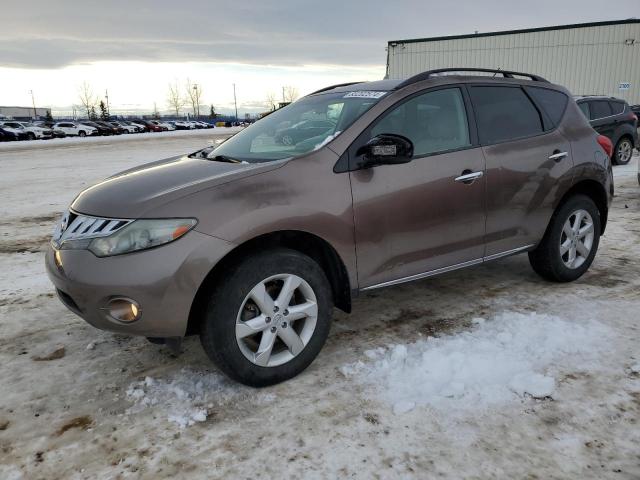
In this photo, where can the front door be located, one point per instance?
(426, 215)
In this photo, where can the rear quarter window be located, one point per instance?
(554, 103)
(504, 113)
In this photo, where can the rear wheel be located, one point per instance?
(31, 135)
(269, 319)
(82, 133)
(570, 242)
(623, 152)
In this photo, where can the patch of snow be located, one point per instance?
(511, 356)
(189, 396)
(635, 368)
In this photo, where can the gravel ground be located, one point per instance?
(80, 403)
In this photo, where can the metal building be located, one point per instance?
(601, 58)
(23, 113)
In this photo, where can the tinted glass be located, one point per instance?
(504, 113)
(551, 101)
(434, 122)
(584, 106)
(616, 107)
(599, 109)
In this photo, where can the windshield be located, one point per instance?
(296, 129)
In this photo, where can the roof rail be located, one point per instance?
(333, 86)
(505, 73)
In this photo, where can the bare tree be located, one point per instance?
(290, 94)
(194, 94)
(87, 97)
(175, 100)
(272, 103)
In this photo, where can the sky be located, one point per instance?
(134, 49)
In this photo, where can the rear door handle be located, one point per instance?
(558, 155)
(468, 177)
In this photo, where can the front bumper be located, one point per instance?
(163, 281)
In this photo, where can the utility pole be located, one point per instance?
(106, 96)
(235, 101)
(197, 97)
(33, 102)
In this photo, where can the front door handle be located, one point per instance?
(468, 177)
(558, 155)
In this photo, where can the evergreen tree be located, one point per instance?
(212, 113)
(104, 113)
(48, 117)
(92, 113)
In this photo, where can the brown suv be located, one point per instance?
(250, 244)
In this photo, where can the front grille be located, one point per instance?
(74, 226)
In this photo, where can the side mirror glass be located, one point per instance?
(386, 149)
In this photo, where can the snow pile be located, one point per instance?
(513, 355)
(188, 397)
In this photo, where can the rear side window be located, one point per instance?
(504, 113)
(434, 122)
(599, 109)
(551, 101)
(616, 108)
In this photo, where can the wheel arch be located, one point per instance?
(594, 190)
(309, 244)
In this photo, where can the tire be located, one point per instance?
(231, 304)
(552, 257)
(623, 151)
(82, 133)
(31, 136)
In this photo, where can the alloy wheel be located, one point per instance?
(625, 150)
(576, 239)
(276, 320)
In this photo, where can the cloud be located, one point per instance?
(54, 34)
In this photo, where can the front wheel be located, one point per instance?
(269, 318)
(570, 242)
(623, 152)
(81, 133)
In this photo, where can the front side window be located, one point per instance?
(434, 122)
(299, 128)
(504, 113)
(599, 109)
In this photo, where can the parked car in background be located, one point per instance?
(12, 135)
(139, 124)
(183, 125)
(251, 243)
(613, 118)
(75, 129)
(155, 126)
(130, 127)
(102, 129)
(168, 125)
(33, 131)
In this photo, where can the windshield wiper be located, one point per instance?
(224, 158)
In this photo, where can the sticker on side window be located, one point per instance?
(364, 94)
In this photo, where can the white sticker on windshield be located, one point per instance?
(364, 94)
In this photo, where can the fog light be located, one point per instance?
(57, 258)
(124, 310)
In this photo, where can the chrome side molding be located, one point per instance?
(438, 271)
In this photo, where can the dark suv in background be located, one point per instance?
(613, 118)
(252, 242)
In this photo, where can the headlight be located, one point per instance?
(140, 235)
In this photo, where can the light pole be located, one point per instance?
(106, 96)
(197, 101)
(33, 102)
(235, 102)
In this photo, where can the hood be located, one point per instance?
(137, 192)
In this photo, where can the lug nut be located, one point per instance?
(268, 319)
(273, 329)
(284, 324)
(286, 312)
(275, 309)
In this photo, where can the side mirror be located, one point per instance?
(385, 149)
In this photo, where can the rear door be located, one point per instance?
(525, 155)
(417, 218)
